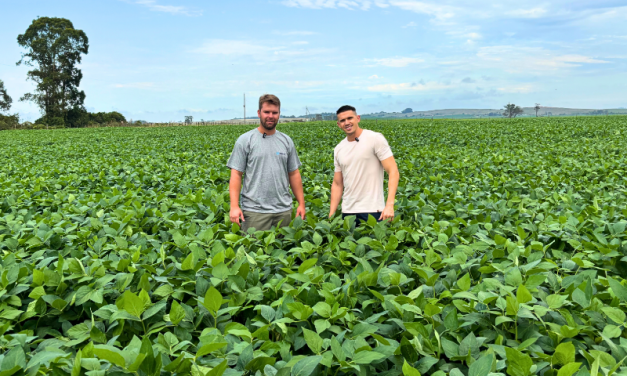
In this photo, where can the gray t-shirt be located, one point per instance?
(265, 163)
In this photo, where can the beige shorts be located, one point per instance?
(265, 221)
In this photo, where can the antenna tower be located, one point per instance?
(244, 107)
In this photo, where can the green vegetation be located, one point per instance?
(507, 256)
(54, 49)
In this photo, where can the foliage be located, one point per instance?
(506, 257)
(79, 118)
(9, 121)
(511, 110)
(5, 99)
(407, 111)
(106, 117)
(54, 48)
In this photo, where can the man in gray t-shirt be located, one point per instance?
(268, 163)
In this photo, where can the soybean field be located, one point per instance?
(507, 255)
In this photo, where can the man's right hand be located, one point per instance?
(236, 214)
(331, 214)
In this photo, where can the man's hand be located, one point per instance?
(301, 211)
(236, 214)
(388, 213)
(331, 214)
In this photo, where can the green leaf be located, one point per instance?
(306, 366)
(564, 353)
(323, 309)
(523, 295)
(177, 313)
(337, 350)
(409, 370)
(569, 369)
(450, 321)
(367, 357)
(131, 303)
(513, 277)
(481, 367)
(313, 340)
(260, 363)
(464, 282)
(555, 301)
(76, 367)
(615, 314)
(308, 264)
(213, 300)
(219, 369)
(408, 351)
(110, 354)
(322, 325)
(13, 358)
(188, 263)
(209, 348)
(619, 290)
(612, 331)
(518, 364)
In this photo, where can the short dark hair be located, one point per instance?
(345, 108)
(270, 99)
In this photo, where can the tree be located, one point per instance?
(511, 110)
(537, 108)
(54, 49)
(407, 111)
(5, 99)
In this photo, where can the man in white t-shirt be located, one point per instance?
(360, 160)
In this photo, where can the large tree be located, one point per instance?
(54, 49)
(5, 99)
(511, 110)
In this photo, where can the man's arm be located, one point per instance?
(296, 182)
(235, 185)
(337, 188)
(389, 165)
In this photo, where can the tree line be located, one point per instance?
(54, 49)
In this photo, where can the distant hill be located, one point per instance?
(475, 113)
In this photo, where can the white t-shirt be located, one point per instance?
(360, 165)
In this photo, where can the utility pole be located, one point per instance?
(307, 113)
(244, 108)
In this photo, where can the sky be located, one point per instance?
(160, 60)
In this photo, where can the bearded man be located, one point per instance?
(266, 159)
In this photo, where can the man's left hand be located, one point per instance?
(300, 211)
(388, 213)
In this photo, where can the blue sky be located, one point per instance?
(159, 60)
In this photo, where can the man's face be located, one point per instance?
(269, 115)
(348, 121)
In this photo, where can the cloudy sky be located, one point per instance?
(159, 60)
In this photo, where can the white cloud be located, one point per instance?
(320, 4)
(374, 77)
(411, 24)
(409, 87)
(528, 13)
(530, 59)
(440, 12)
(234, 47)
(393, 62)
(172, 9)
(300, 43)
